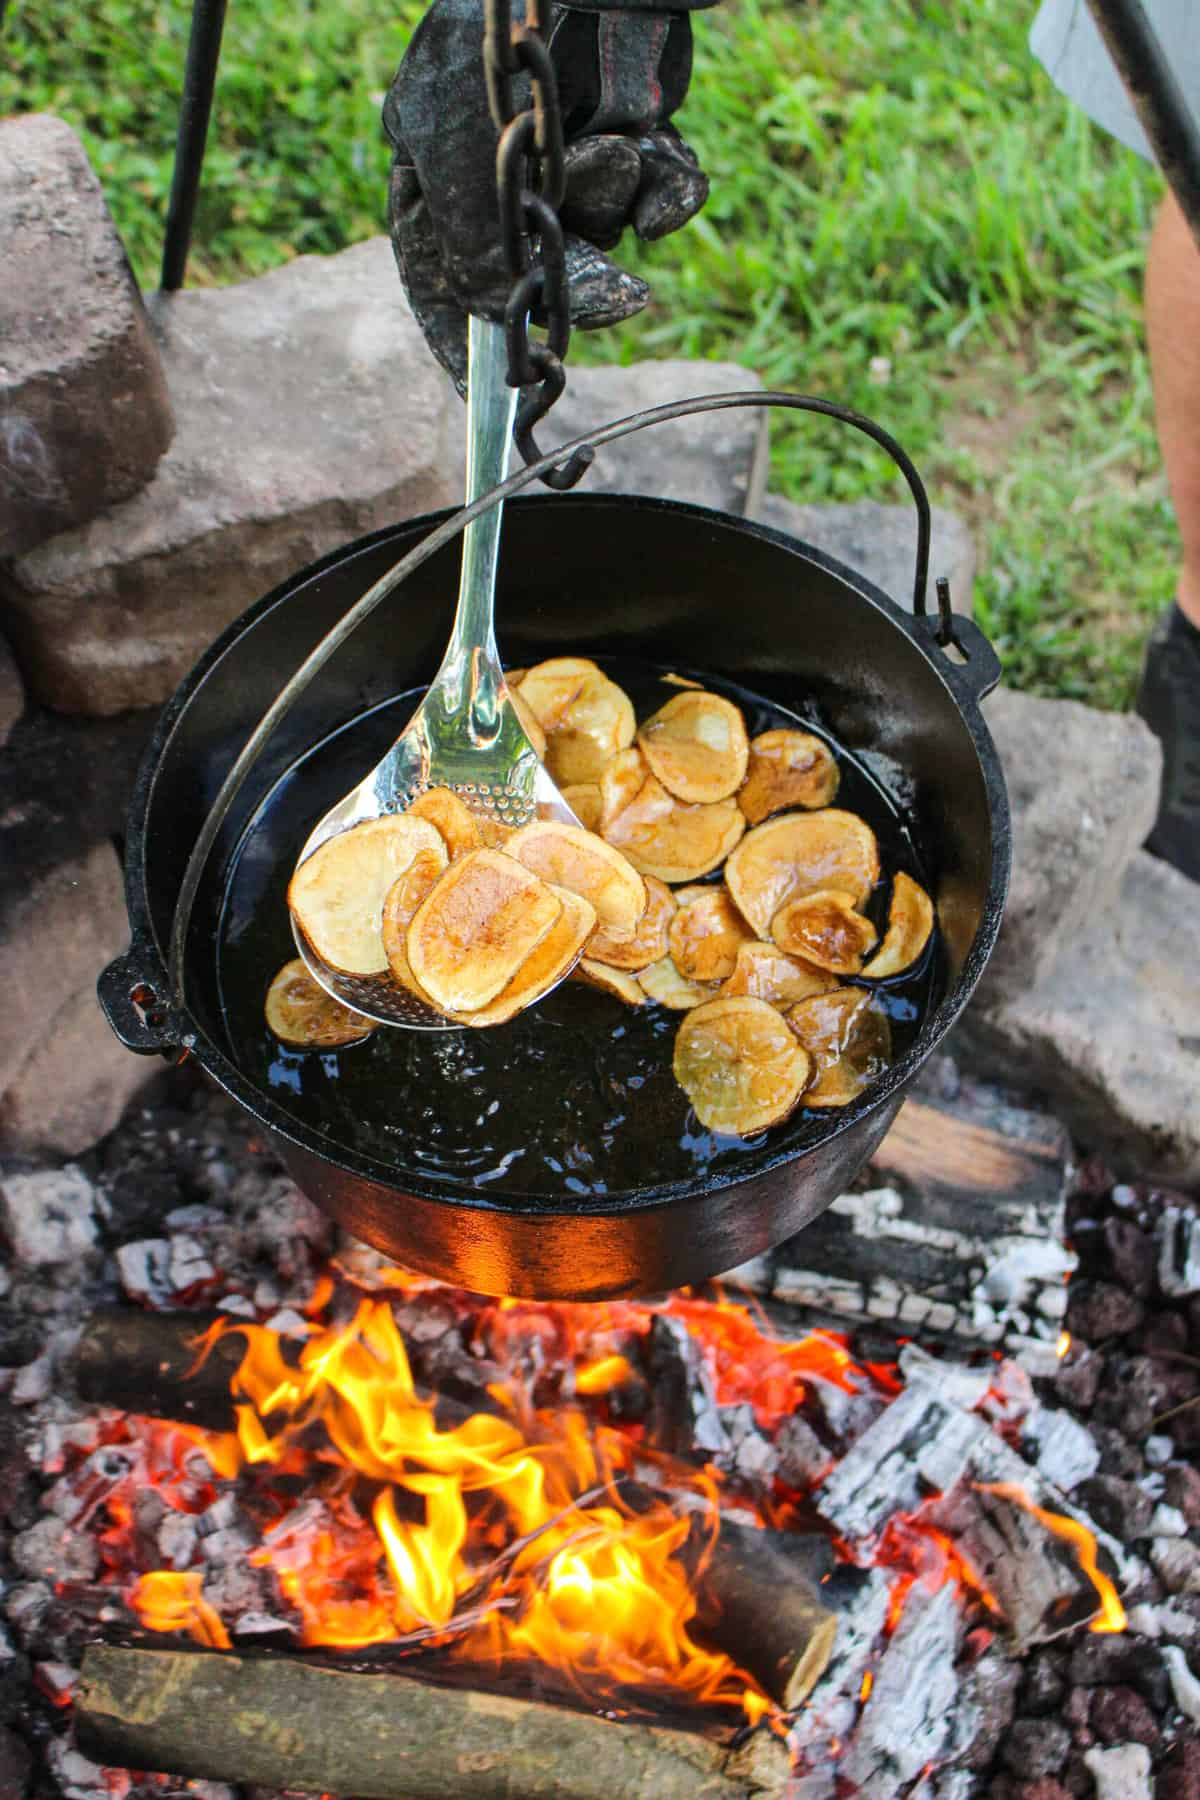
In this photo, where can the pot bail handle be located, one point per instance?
(436, 539)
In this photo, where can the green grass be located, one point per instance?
(905, 215)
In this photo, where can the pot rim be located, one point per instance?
(964, 688)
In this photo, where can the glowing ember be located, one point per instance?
(1111, 1616)
(1064, 1344)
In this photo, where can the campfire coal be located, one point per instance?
(691, 1545)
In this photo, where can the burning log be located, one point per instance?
(759, 1604)
(146, 1363)
(280, 1723)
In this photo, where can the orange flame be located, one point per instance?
(1064, 1344)
(1111, 1616)
(591, 1586)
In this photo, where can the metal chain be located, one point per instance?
(530, 183)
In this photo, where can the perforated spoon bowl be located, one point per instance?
(466, 734)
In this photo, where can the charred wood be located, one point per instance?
(759, 1603)
(280, 1723)
(147, 1362)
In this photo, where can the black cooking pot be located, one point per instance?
(667, 583)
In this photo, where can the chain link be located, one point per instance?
(530, 183)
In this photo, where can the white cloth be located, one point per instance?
(1067, 42)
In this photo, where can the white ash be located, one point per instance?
(1168, 1521)
(920, 1445)
(914, 1716)
(832, 1709)
(1178, 1234)
(1184, 1684)
(1122, 1773)
(1060, 1448)
(51, 1551)
(145, 1271)
(957, 1384)
(49, 1217)
(1176, 1562)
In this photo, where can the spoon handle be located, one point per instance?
(491, 409)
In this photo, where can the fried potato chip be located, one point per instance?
(449, 815)
(787, 768)
(337, 893)
(768, 973)
(910, 921)
(683, 681)
(671, 839)
(824, 928)
(583, 798)
(300, 1012)
(734, 1062)
(399, 910)
(529, 720)
(649, 941)
(620, 783)
(475, 928)
(494, 832)
(662, 982)
(798, 854)
(576, 859)
(697, 746)
(705, 934)
(613, 981)
(546, 964)
(586, 717)
(849, 1039)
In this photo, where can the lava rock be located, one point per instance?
(1131, 1253)
(1034, 1747)
(16, 1765)
(1118, 1715)
(1099, 1310)
(1177, 1562)
(1075, 1714)
(1181, 1489)
(1179, 1774)
(1163, 1331)
(1103, 1659)
(1121, 1507)
(992, 1687)
(49, 1217)
(1046, 1787)
(1118, 1455)
(1045, 1683)
(1077, 1378)
(12, 693)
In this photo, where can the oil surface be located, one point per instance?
(575, 1096)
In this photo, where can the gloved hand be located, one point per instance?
(623, 68)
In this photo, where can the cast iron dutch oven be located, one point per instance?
(673, 585)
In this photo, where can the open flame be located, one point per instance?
(544, 1531)
(1111, 1616)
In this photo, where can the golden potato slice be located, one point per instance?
(649, 941)
(449, 815)
(664, 984)
(300, 1012)
(824, 928)
(337, 893)
(787, 768)
(475, 928)
(529, 720)
(697, 746)
(734, 1062)
(705, 934)
(494, 832)
(797, 854)
(399, 910)
(768, 973)
(849, 1039)
(583, 798)
(683, 681)
(910, 921)
(586, 717)
(549, 962)
(620, 784)
(671, 839)
(573, 858)
(617, 982)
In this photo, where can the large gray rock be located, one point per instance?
(1083, 786)
(84, 411)
(880, 542)
(715, 459)
(310, 412)
(74, 1082)
(1113, 1028)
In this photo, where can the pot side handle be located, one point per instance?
(970, 661)
(131, 1002)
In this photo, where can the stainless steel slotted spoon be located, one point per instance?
(466, 734)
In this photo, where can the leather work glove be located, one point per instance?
(623, 68)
